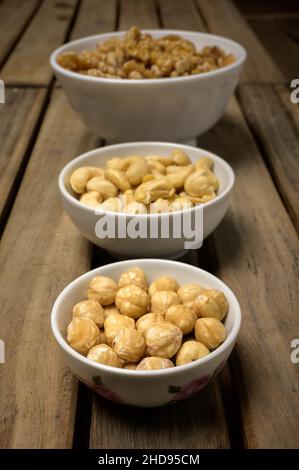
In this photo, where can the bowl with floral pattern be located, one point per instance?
(148, 388)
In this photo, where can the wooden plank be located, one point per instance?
(18, 116)
(278, 134)
(250, 7)
(95, 17)
(222, 17)
(176, 14)
(256, 251)
(41, 251)
(194, 423)
(142, 13)
(15, 16)
(29, 63)
(278, 36)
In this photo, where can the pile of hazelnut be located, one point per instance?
(133, 325)
(140, 56)
(150, 184)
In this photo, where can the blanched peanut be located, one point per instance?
(82, 334)
(160, 159)
(176, 180)
(201, 182)
(92, 199)
(94, 184)
(204, 162)
(114, 323)
(163, 339)
(116, 163)
(182, 317)
(129, 345)
(162, 300)
(134, 207)
(112, 204)
(211, 303)
(185, 171)
(103, 289)
(210, 332)
(180, 203)
(103, 354)
(103, 186)
(154, 363)
(135, 276)
(191, 351)
(180, 158)
(146, 321)
(160, 206)
(189, 292)
(156, 167)
(153, 190)
(137, 170)
(166, 283)
(130, 366)
(81, 176)
(110, 310)
(90, 309)
(131, 300)
(118, 178)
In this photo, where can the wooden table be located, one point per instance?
(253, 403)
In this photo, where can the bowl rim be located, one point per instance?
(152, 373)
(74, 201)
(129, 82)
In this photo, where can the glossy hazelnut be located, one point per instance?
(114, 323)
(181, 316)
(82, 334)
(132, 301)
(154, 363)
(210, 332)
(103, 289)
(163, 339)
(129, 345)
(191, 351)
(162, 300)
(90, 309)
(103, 354)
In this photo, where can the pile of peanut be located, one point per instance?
(134, 325)
(151, 184)
(140, 56)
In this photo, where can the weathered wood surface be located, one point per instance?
(40, 252)
(253, 403)
(225, 19)
(18, 120)
(14, 15)
(278, 134)
(256, 253)
(29, 62)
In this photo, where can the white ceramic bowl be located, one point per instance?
(171, 109)
(145, 388)
(85, 218)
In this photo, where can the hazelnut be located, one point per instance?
(210, 332)
(131, 300)
(114, 323)
(162, 300)
(110, 310)
(102, 337)
(211, 303)
(191, 351)
(82, 334)
(182, 317)
(135, 276)
(129, 345)
(189, 292)
(104, 355)
(147, 320)
(163, 339)
(90, 309)
(103, 289)
(166, 283)
(154, 363)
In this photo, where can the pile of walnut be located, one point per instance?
(151, 184)
(135, 326)
(140, 56)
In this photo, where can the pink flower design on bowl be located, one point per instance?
(190, 388)
(98, 387)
